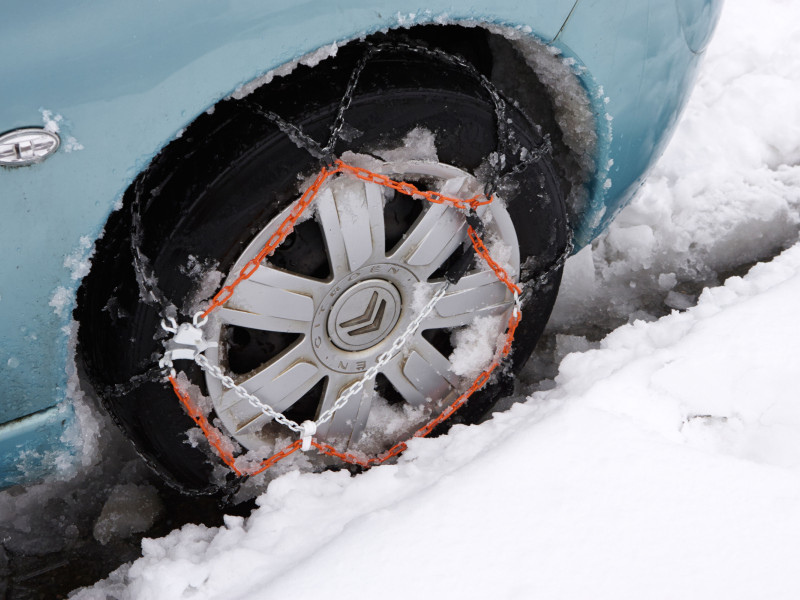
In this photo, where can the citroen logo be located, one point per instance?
(370, 321)
(364, 314)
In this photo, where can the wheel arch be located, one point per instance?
(502, 53)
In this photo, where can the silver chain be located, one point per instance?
(217, 373)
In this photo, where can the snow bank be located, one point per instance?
(664, 464)
(726, 193)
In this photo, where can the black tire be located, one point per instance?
(204, 196)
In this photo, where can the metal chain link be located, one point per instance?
(217, 373)
(504, 133)
(134, 382)
(146, 279)
(541, 278)
(344, 103)
(409, 189)
(300, 138)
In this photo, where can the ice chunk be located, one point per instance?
(129, 509)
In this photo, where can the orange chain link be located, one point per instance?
(409, 189)
(216, 438)
(285, 228)
(213, 435)
(275, 240)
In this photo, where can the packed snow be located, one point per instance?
(662, 460)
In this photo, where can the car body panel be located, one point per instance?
(641, 82)
(32, 447)
(121, 80)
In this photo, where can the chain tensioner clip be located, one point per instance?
(187, 341)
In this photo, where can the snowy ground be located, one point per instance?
(662, 461)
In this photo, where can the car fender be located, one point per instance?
(638, 85)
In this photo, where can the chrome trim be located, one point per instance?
(27, 146)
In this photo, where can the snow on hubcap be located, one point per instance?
(341, 324)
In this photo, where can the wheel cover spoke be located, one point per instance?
(257, 305)
(433, 370)
(434, 237)
(351, 216)
(349, 422)
(476, 295)
(394, 373)
(439, 231)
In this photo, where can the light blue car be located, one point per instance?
(220, 217)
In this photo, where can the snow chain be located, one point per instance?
(188, 342)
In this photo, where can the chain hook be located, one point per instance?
(171, 327)
(199, 319)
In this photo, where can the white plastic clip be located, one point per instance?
(186, 343)
(309, 428)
